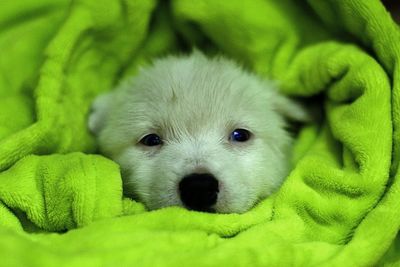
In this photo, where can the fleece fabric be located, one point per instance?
(61, 204)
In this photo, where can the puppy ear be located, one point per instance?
(98, 113)
(291, 109)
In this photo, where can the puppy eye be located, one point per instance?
(240, 135)
(151, 140)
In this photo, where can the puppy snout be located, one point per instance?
(199, 191)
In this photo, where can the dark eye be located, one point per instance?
(151, 140)
(240, 135)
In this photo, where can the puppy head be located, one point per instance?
(196, 132)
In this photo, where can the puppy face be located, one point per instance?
(196, 132)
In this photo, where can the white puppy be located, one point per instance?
(196, 132)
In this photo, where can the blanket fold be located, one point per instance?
(61, 192)
(338, 207)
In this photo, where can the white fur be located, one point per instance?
(194, 103)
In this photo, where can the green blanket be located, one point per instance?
(62, 205)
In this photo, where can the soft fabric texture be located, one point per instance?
(62, 205)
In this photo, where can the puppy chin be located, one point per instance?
(233, 208)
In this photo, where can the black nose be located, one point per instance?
(199, 191)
